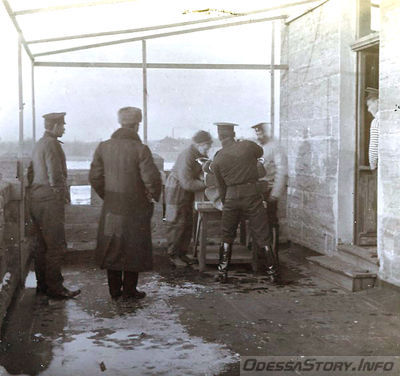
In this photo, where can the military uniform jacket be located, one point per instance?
(47, 173)
(124, 175)
(275, 165)
(236, 164)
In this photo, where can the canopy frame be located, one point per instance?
(144, 65)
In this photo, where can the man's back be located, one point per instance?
(122, 166)
(48, 169)
(237, 162)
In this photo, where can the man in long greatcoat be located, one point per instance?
(124, 175)
(181, 184)
(47, 175)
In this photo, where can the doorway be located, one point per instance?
(366, 179)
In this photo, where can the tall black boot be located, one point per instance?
(271, 263)
(225, 253)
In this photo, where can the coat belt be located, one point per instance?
(241, 190)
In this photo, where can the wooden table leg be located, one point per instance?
(203, 241)
(243, 236)
(254, 263)
(197, 235)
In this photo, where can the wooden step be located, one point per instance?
(360, 257)
(346, 275)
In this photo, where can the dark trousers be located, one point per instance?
(250, 208)
(122, 282)
(179, 231)
(48, 218)
(272, 210)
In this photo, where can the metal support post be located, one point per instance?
(20, 101)
(144, 67)
(33, 104)
(20, 174)
(272, 109)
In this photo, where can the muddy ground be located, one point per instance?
(190, 325)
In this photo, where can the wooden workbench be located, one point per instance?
(207, 217)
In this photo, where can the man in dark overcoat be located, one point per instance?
(236, 174)
(181, 184)
(47, 175)
(124, 175)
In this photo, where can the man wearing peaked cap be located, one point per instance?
(53, 118)
(273, 184)
(236, 173)
(124, 175)
(225, 129)
(47, 175)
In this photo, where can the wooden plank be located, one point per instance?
(159, 35)
(78, 177)
(240, 255)
(367, 41)
(160, 65)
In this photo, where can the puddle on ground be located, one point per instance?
(92, 335)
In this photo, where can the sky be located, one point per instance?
(180, 102)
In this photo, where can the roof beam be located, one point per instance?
(180, 24)
(19, 31)
(160, 65)
(71, 6)
(159, 35)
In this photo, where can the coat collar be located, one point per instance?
(51, 135)
(227, 142)
(126, 133)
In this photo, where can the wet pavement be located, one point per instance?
(190, 325)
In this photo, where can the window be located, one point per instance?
(368, 17)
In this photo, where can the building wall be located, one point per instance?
(389, 150)
(310, 125)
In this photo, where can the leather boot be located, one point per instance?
(271, 263)
(130, 290)
(225, 253)
(114, 283)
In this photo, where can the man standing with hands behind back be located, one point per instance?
(124, 175)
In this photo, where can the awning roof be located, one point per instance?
(45, 24)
